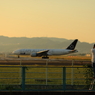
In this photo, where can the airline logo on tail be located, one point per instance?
(72, 45)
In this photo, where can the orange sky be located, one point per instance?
(68, 19)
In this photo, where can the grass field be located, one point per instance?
(37, 75)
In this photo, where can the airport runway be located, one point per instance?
(32, 61)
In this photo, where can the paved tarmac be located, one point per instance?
(36, 61)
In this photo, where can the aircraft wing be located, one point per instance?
(42, 53)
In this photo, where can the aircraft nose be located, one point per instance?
(15, 52)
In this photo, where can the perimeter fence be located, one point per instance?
(27, 78)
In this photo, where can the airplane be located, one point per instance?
(44, 53)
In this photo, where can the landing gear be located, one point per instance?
(18, 56)
(45, 57)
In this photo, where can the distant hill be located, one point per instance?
(8, 44)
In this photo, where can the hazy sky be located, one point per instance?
(68, 19)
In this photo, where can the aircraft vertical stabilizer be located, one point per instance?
(72, 45)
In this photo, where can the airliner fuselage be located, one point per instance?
(47, 52)
(50, 52)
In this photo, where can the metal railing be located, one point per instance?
(27, 78)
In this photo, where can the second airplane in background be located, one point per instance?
(44, 53)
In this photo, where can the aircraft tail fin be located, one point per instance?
(72, 45)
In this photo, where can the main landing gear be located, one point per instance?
(18, 56)
(45, 57)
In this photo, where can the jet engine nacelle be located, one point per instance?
(33, 54)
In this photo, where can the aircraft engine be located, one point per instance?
(33, 54)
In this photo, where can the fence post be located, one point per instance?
(72, 73)
(23, 77)
(64, 78)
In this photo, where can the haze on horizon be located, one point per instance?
(70, 19)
